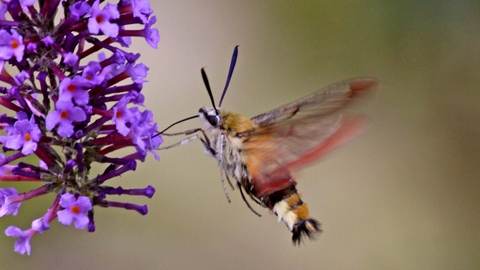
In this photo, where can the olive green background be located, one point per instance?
(403, 195)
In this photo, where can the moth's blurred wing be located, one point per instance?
(302, 132)
(324, 102)
(293, 146)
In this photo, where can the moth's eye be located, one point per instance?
(213, 120)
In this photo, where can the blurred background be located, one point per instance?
(403, 195)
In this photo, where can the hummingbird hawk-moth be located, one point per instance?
(261, 152)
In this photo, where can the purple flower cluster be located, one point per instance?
(69, 111)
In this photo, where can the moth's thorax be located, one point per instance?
(235, 123)
(229, 150)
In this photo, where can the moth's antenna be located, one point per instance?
(230, 73)
(178, 122)
(209, 90)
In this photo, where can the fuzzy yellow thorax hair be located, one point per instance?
(236, 123)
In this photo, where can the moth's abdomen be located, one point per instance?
(290, 209)
(305, 227)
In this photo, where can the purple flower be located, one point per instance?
(71, 116)
(79, 9)
(21, 77)
(138, 72)
(32, 46)
(122, 115)
(24, 134)
(48, 41)
(136, 97)
(3, 10)
(151, 34)
(64, 115)
(142, 127)
(11, 45)
(73, 88)
(27, 2)
(71, 59)
(40, 225)
(112, 69)
(6, 169)
(75, 210)
(6, 206)
(91, 74)
(22, 245)
(141, 9)
(100, 19)
(152, 141)
(124, 41)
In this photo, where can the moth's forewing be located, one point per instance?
(301, 132)
(322, 103)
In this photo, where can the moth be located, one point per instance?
(261, 152)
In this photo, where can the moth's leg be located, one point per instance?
(184, 141)
(222, 172)
(229, 182)
(245, 200)
(206, 143)
(255, 199)
(186, 132)
(245, 183)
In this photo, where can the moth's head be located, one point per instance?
(209, 116)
